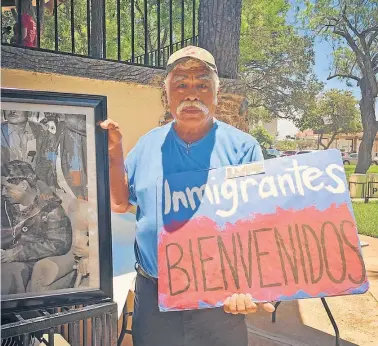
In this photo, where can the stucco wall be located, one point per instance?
(137, 108)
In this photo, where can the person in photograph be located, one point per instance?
(40, 226)
(73, 155)
(71, 269)
(47, 144)
(19, 137)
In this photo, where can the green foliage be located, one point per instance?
(286, 144)
(276, 62)
(336, 112)
(262, 136)
(303, 144)
(351, 26)
(80, 25)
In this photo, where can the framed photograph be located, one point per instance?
(56, 246)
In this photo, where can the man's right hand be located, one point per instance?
(119, 190)
(114, 133)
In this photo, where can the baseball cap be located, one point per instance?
(192, 52)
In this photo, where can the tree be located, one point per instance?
(286, 144)
(262, 136)
(219, 33)
(303, 144)
(335, 113)
(352, 27)
(276, 62)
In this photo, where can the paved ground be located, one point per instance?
(305, 322)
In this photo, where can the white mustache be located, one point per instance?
(196, 104)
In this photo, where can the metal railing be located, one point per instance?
(160, 57)
(141, 32)
(94, 324)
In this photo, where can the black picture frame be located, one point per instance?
(32, 301)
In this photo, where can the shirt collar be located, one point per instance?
(187, 145)
(12, 128)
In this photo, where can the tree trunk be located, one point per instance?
(370, 127)
(219, 33)
(97, 44)
(320, 141)
(330, 141)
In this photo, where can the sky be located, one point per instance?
(323, 65)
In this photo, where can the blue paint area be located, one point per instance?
(303, 295)
(321, 199)
(359, 290)
(204, 305)
(201, 305)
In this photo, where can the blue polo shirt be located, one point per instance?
(161, 152)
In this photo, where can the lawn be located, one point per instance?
(367, 217)
(349, 169)
(366, 213)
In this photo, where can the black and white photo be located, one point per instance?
(50, 196)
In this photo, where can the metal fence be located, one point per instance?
(141, 32)
(94, 324)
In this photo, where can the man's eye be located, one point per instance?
(182, 86)
(203, 86)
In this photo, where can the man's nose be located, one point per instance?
(192, 95)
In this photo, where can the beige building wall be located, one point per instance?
(137, 108)
(272, 127)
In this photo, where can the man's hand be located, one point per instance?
(7, 256)
(114, 134)
(243, 304)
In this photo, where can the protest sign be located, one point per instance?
(287, 233)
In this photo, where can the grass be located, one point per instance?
(366, 217)
(366, 213)
(349, 169)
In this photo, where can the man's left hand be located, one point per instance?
(243, 304)
(7, 256)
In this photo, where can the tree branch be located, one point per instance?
(374, 28)
(331, 140)
(372, 38)
(352, 44)
(374, 60)
(350, 26)
(344, 76)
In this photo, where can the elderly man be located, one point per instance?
(19, 137)
(195, 140)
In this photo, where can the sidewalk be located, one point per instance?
(305, 322)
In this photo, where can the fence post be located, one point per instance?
(98, 30)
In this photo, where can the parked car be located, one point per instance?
(306, 151)
(267, 155)
(274, 152)
(288, 152)
(350, 159)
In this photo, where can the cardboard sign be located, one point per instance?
(283, 234)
